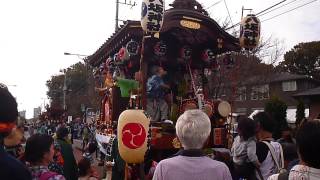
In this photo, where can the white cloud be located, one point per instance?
(34, 34)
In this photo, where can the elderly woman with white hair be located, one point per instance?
(193, 129)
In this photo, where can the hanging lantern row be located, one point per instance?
(152, 12)
(250, 28)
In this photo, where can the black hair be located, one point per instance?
(289, 151)
(155, 69)
(36, 146)
(92, 147)
(83, 167)
(8, 109)
(8, 106)
(265, 121)
(62, 132)
(308, 143)
(246, 128)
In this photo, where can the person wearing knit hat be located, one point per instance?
(11, 168)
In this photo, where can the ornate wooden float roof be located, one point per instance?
(186, 20)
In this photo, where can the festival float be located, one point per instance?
(191, 47)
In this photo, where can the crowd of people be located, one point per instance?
(47, 155)
(255, 154)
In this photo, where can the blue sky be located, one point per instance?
(34, 34)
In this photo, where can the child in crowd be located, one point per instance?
(157, 107)
(244, 149)
(86, 172)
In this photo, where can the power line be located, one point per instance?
(258, 13)
(225, 3)
(289, 10)
(213, 5)
(277, 8)
(271, 7)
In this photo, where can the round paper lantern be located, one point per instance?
(160, 48)
(123, 54)
(250, 28)
(207, 55)
(223, 108)
(152, 15)
(133, 129)
(132, 48)
(186, 52)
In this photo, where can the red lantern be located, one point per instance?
(123, 54)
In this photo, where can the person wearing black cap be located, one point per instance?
(10, 168)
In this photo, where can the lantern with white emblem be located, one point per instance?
(132, 47)
(250, 32)
(152, 15)
(207, 55)
(133, 131)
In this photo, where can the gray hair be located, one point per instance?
(193, 129)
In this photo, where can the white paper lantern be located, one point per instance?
(133, 129)
(250, 28)
(152, 15)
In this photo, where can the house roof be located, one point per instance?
(129, 30)
(274, 77)
(287, 77)
(310, 92)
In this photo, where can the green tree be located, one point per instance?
(303, 59)
(55, 90)
(278, 111)
(80, 89)
(300, 114)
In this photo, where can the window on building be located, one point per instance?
(255, 93)
(260, 92)
(289, 86)
(264, 92)
(241, 94)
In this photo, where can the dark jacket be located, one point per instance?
(70, 168)
(11, 168)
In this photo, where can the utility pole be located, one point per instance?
(117, 15)
(117, 11)
(64, 90)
